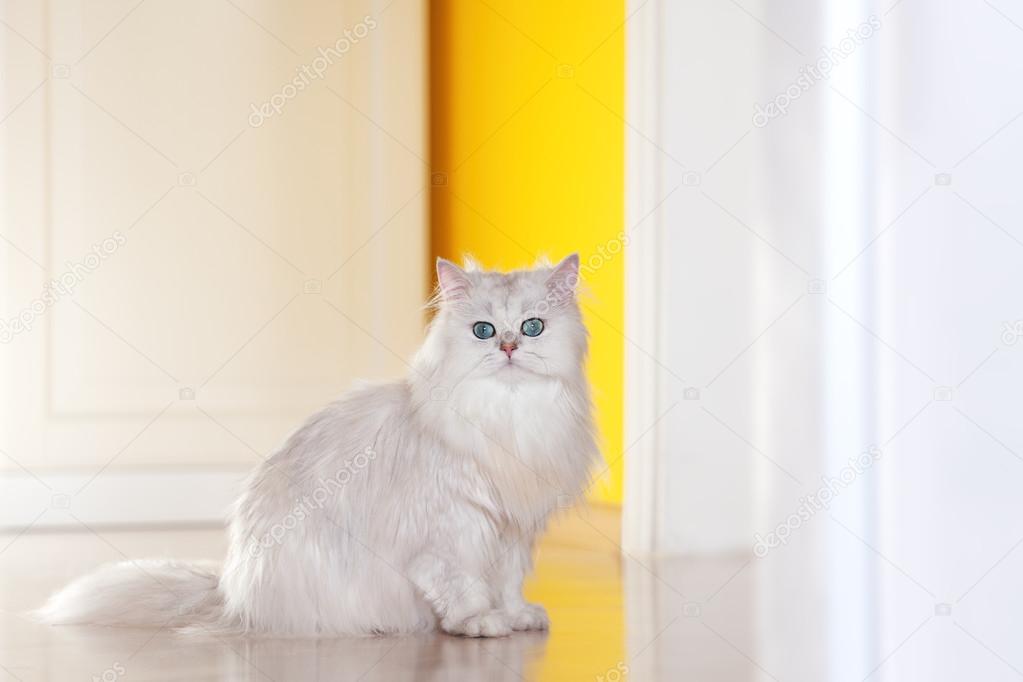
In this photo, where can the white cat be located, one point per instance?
(403, 506)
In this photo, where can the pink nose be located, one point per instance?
(508, 348)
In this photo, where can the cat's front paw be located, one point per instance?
(491, 624)
(530, 617)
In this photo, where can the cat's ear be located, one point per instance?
(454, 283)
(564, 278)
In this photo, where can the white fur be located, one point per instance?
(403, 506)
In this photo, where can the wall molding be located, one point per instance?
(642, 506)
(117, 498)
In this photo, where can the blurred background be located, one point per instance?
(801, 234)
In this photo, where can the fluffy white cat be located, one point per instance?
(403, 506)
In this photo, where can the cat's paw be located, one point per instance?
(491, 624)
(530, 617)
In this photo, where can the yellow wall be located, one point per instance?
(528, 158)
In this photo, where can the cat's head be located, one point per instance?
(513, 327)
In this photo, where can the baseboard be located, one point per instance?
(116, 498)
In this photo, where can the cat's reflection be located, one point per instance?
(424, 657)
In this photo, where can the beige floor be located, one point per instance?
(614, 617)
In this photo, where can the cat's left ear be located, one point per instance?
(454, 282)
(564, 279)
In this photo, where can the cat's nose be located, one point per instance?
(508, 347)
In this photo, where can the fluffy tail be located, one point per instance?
(152, 593)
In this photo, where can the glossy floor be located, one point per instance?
(782, 617)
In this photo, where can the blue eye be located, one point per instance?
(532, 327)
(483, 330)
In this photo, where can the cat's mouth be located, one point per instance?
(511, 369)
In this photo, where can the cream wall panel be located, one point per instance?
(250, 260)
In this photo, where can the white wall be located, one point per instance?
(848, 275)
(816, 281)
(255, 261)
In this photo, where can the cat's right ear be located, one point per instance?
(454, 282)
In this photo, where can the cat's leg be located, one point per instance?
(507, 579)
(461, 601)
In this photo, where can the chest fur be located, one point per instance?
(532, 446)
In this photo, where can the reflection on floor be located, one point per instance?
(578, 579)
(787, 616)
